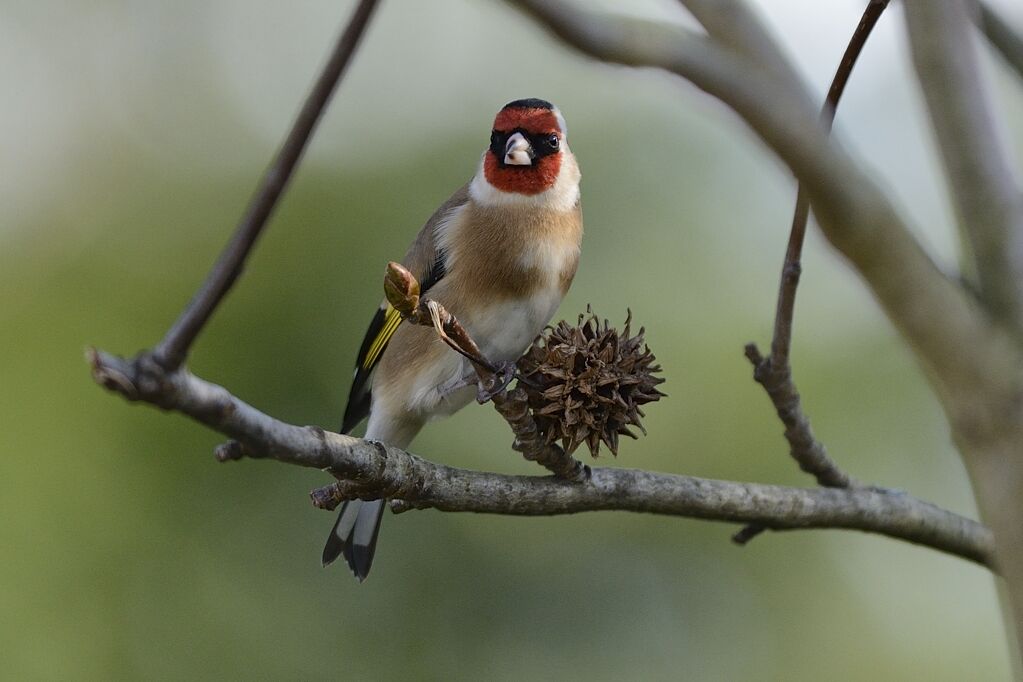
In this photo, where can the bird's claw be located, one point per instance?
(496, 383)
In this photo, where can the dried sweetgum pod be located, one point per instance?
(586, 382)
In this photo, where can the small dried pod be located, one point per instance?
(586, 382)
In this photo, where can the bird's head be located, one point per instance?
(528, 157)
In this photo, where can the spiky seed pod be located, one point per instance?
(586, 382)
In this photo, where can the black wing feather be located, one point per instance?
(361, 394)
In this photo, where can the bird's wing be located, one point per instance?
(427, 262)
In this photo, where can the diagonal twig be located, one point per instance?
(173, 349)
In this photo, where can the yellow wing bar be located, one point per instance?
(392, 318)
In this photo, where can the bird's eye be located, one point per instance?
(553, 141)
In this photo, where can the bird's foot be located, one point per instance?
(496, 383)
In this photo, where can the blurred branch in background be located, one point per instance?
(979, 175)
(1007, 41)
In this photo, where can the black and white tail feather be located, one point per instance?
(354, 535)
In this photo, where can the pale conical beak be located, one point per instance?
(517, 151)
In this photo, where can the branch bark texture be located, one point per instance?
(374, 470)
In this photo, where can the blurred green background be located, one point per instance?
(131, 135)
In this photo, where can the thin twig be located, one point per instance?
(781, 343)
(173, 349)
(375, 470)
(402, 291)
(774, 373)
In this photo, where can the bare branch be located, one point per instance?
(979, 172)
(781, 342)
(173, 349)
(1007, 41)
(776, 375)
(775, 372)
(733, 24)
(374, 470)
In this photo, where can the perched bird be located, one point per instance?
(499, 255)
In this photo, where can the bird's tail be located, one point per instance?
(354, 535)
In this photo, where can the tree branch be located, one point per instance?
(173, 349)
(1002, 36)
(734, 25)
(781, 342)
(374, 470)
(978, 170)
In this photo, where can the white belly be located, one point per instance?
(505, 330)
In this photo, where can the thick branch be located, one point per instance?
(733, 24)
(1007, 41)
(375, 470)
(173, 349)
(979, 172)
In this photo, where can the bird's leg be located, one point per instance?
(468, 379)
(493, 384)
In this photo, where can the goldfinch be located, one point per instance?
(499, 255)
